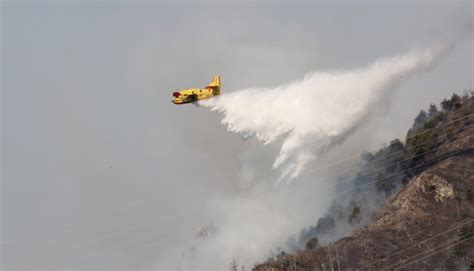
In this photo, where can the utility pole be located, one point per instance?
(330, 258)
(337, 260)
(457, 206)
(234, 266)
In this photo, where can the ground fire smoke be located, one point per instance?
(313, 114)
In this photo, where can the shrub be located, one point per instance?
(355, 213)
(469, 194)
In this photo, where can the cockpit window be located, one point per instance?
(176, 94)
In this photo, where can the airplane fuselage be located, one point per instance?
(191, 95)
(194, 94)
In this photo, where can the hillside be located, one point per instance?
(426, 220)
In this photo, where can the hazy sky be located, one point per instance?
(101, 171)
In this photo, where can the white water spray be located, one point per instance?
(315, 113)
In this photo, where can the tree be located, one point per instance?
(446, 105)
(452, 104)
(455, 102)
(384, 184)
(326, 224)
(367, 157)
(355, 213)
(312, 244)
(395, 145)
(432, 111)
(292, 243)
(395, 152)
(234, 266)
(469, 194)
(420, 119)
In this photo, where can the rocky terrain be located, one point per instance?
(429, 223)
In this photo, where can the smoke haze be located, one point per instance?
(101, 171)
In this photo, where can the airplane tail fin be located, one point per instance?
(216, 85)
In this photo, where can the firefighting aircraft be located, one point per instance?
(193, 94)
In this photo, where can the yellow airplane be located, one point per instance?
(193, 94)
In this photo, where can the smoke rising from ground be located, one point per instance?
(317, 112)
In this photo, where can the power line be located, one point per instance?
(398, 173)
(401, 151)
(445, 155)
(395, 163)
(436, 252)
(406, 159)
(446, 123)
(425, 163)
(431, 254)
(424, 252)
(417, 244)
(358, 155)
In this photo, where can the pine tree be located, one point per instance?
(432, 111)
(234, 266)
(446, 105)
(420, 119)
(455, 101)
